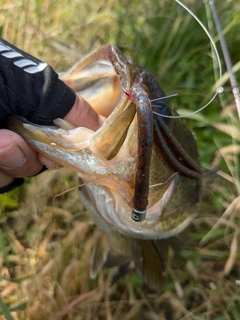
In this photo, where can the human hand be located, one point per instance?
(18, 159)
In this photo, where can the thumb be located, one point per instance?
(82, 114)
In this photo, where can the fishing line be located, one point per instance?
(75, 188)
(232, 77)
(219, 89)
(166, 97)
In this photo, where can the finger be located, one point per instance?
(82, 114)
(48, 162)
(16, 157)
(5, 179)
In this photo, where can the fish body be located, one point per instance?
(106, 161)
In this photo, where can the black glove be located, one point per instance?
(30, 88)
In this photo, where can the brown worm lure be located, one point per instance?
(145, 142)
(153, 127)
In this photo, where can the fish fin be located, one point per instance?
(175, 242)
(99, 254)
(148, 263)
(114, 259)
(123, 269)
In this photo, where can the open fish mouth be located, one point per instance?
(107, 186)
(140, 173)
(131, 152)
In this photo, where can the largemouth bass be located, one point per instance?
(141, 173)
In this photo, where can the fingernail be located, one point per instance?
(11, 157)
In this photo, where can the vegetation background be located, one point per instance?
(45, 246)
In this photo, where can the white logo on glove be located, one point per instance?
(26, 64)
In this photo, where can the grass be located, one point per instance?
(44, 245)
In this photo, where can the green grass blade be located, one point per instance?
(5, 310)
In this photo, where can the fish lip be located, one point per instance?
(71, 140)
(123, 223)
(151, 234)
(167, 234)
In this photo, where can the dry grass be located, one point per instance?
(45, 245)
(46, 269)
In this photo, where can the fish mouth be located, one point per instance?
(92, 155)
(58, 143)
